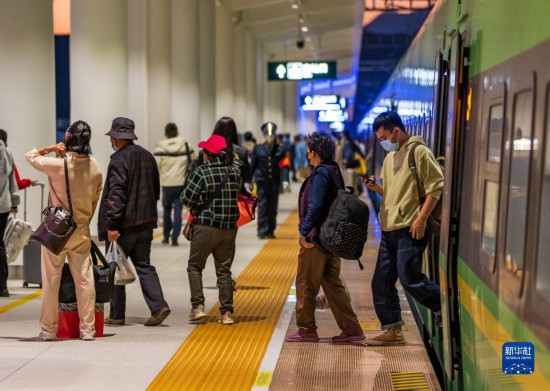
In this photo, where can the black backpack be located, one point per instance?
(344, 231)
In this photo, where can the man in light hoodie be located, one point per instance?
(173, 156)
(9, 199)
(403, 221)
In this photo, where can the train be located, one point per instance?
(475, 83)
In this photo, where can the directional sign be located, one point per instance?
(297, 70)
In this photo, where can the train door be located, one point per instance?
(452, 146)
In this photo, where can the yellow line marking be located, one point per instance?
(156, 236)
(263, 379)
(216, 357)
(20, 301)
(497, 335)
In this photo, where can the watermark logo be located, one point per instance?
(518, 358)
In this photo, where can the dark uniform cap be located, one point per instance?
(269, 128)
(122, 128)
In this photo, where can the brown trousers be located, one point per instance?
(77, 252)
(315, 269)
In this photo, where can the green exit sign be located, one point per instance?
(297, 70)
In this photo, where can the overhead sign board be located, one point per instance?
(298, 71)
(332, 116)
(323, 102)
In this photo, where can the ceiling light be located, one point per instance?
(295, 6)
(305, 29)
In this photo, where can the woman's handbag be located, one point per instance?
(247, 208)
(58, 225)
(124, 272)
(192, 220)
(104, 277)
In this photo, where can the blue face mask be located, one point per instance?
(389, 146)
(114, 148)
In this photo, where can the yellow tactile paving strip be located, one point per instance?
(216, 357)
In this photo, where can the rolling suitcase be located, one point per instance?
(32, 268)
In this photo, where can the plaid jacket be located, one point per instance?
(223, 211)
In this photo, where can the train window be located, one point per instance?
(490, 213)
(543, 266)
(520, 147)
(494, 146)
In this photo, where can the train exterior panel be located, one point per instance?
(475, 83)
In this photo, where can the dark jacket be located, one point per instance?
(316, 196)
(265, 164)
(131, 192)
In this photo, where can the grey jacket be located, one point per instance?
(9, 193)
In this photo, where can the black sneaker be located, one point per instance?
(4, 293)
(165, 241)
(175, 244)
(262, 236)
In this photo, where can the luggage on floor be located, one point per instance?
(16, 237)
(32, 253)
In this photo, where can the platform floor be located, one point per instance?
(250, 354)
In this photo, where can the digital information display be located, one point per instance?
(297, 71)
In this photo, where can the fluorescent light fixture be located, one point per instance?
(305, 29)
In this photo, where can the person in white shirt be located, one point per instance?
(172, 155)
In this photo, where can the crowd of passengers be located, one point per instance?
(208, 187)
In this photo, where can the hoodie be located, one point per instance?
(9, 193)
(400, 203)
(172, 160)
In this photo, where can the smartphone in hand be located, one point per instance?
(365, 178)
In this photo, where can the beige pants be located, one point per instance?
(77, 252)
(317, 269)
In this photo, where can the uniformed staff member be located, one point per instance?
(267, 175)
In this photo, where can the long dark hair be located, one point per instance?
(79, 135)
(227, 128)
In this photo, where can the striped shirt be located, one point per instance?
(223, 211)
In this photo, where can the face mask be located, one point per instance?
(389, 146)
(114, 148)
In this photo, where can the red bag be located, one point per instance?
(68, 324)
(247, 209)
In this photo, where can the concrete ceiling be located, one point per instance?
(334, 28)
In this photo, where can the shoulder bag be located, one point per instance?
(434, 220)
(58, 225)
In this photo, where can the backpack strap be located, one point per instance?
(412, 169)
(333, 176)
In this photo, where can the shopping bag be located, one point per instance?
(124, 272)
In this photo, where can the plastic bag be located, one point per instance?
(124, 272)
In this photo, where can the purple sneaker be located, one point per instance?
(344, 337)
(300, 336)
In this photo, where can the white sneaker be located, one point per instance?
(44, 336)
(197, 313)
(87, 336)
(226, 318)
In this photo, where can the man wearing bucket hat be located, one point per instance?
(128, 214)
(211, 195)
(267, 175)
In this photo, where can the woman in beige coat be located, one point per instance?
(85, 183)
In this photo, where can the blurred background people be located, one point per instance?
(267, 175)
(9, 199)
(172, 155)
